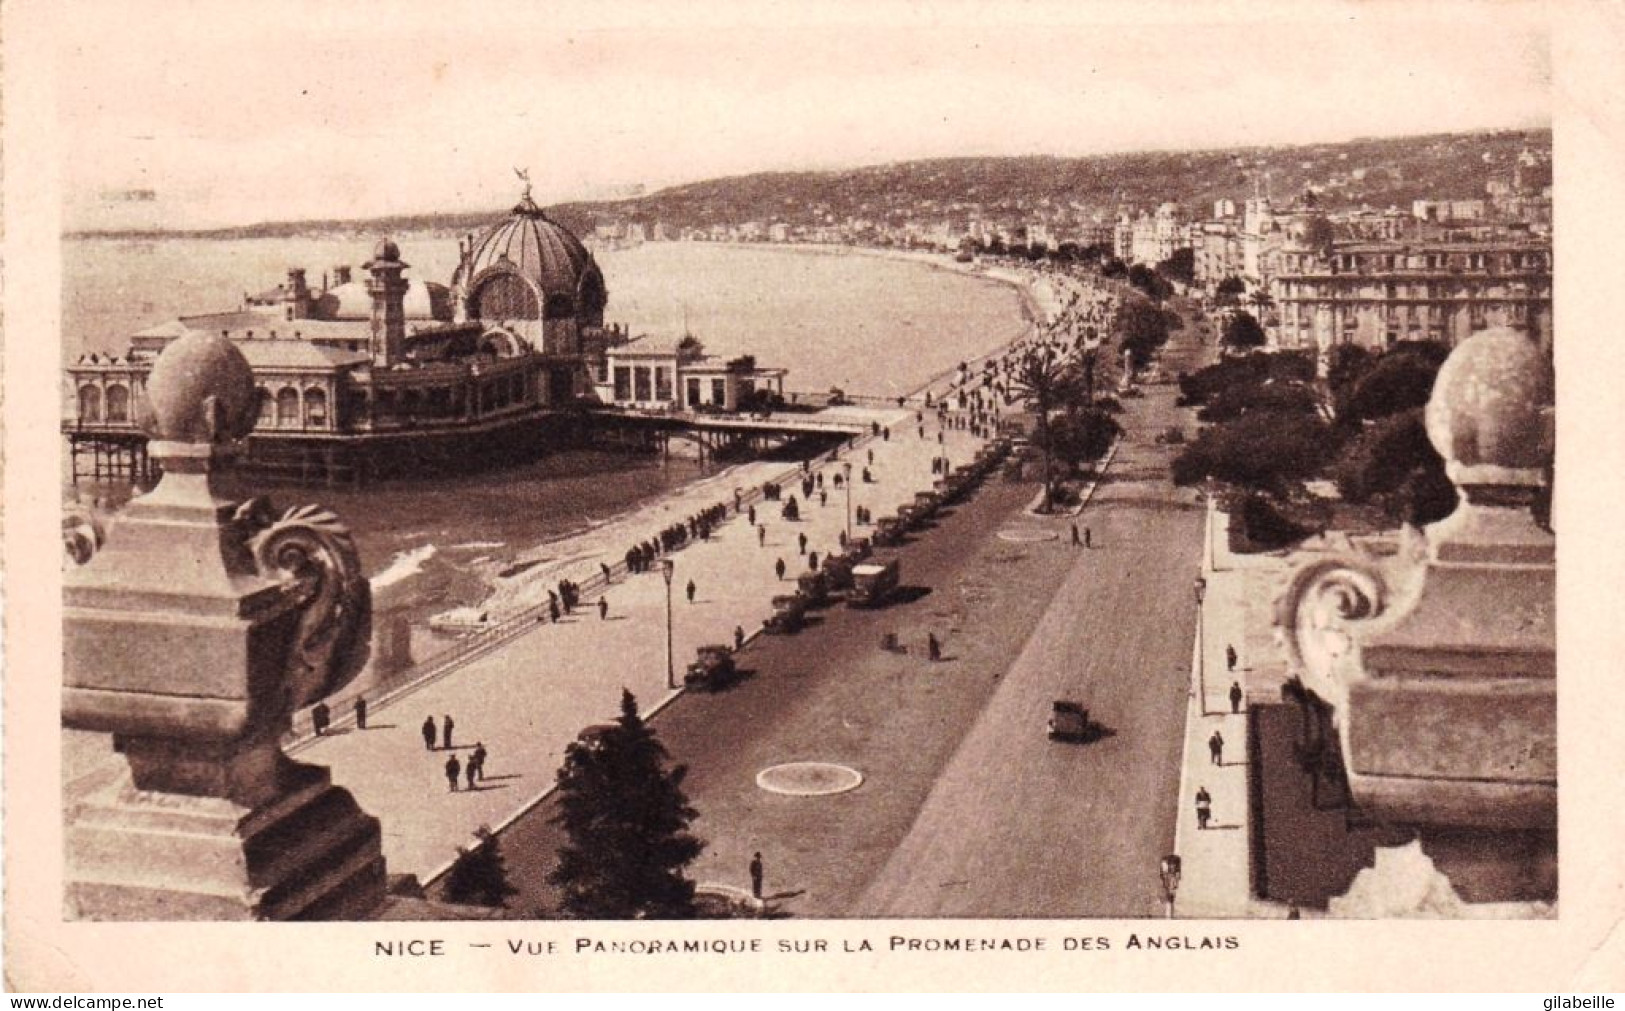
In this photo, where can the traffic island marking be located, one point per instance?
(809, 779)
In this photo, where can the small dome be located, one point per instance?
(351, 301)
(386, 250)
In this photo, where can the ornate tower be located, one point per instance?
(388, 290)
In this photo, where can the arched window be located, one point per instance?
(118, 403)
(287, 408)
(316, 408)
(267, 406)
(506, 297)
(90, 403)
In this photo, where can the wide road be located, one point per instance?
(953, 754)
(1020, 826)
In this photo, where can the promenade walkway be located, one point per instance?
(530, 695)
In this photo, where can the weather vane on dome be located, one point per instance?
(524, 177)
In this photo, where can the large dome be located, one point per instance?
(531, 247)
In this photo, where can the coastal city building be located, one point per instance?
(1374, 293)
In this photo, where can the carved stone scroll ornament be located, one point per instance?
(309, 548)
(1317, 614)
(82, 534)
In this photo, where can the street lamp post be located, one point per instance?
(667, 567)
(1201, 642)
(1170, 871)
(846, 470)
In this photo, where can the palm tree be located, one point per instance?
(1260, 300)
(1039, 382)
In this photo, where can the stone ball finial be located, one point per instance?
(1491, 406)
(386, 250)
(201, 390)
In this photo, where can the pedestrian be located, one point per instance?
(690, 591)
(361, 712)
(756, 877)
(553, 610)
(823, 498)
(605, 569)
(933, 648)
(761, 536)
(1204, 807)
(454, 768)
(428, 732)
(473, 771)
(1076, 540)
(1215, 747)
(778, 567)
(1087, 537)
(801, 542)
(750, 514)
(1235, 696)
(603, 608)
(445, 732)
(476, 761)
(319, 717)
(739, 637)
(1230, 656)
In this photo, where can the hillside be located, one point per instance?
(1373, 171)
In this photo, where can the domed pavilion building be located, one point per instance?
(384, 374)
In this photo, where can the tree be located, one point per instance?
(627, 820)
(1142, 328)
(1150, 282)
(480, 876)
(1230, 290)
(1398, 381)
(1274, 397)
(1113, 267)
(1179, 267)
(1242, 332)
(1081, 437)
(1260, 450)
(1393, 463)
(1041, 382)
(1261, 301)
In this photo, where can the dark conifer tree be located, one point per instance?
(627, 820)
(480, 875)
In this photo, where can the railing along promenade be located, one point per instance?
(477, 643)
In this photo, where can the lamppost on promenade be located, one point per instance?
(846, 471)
(1170, 871)
(667, 567)
(1201, 642)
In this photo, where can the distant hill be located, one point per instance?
(1373, 171)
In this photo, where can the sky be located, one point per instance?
(240, 112)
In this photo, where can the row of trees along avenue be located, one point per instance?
(1273, 426)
